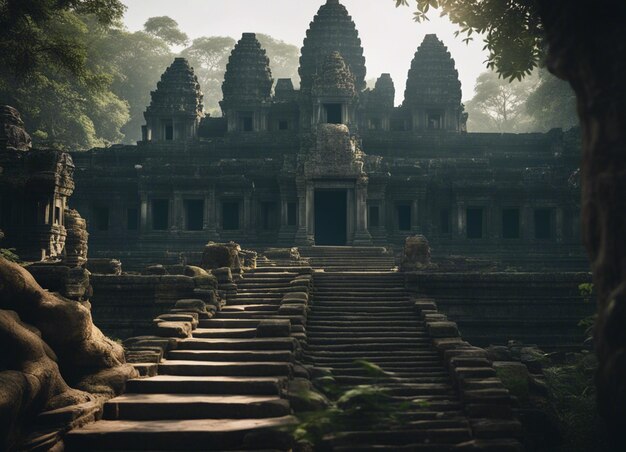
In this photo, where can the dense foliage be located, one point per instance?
(81, 80)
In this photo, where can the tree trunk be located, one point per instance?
(587, 47)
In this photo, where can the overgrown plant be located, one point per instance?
(363, 406)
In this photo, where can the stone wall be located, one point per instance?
(493, 308)
(124, 306)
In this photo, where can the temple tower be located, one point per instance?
(332, 30)
(176, 108)
(380, 104)
(247, 87)
(433, 90)
(334, 95)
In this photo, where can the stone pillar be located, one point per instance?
(210, 215)
(285, 233)
(526, 223)
(415, 227)
(304, 237)
(559, 224)
(177, 212)
(247, 213)
(143, 213)
(460, 220)
(362, 237)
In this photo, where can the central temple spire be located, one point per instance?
(332, 30)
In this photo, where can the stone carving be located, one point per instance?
(334, 152)
(416, 254)
(13, 135)
(77, 239)
(50, 343)
(335, 78)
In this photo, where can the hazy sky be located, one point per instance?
(389, 35)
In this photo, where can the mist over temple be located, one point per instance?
(260, 174)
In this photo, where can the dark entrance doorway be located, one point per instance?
(331, 219)
(333, 114)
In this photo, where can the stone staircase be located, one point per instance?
(220, 389)
(349, 258)
(372, 317)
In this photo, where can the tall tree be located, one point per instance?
(209, 56)
(552, 104)
(140, 60)
(166, 28)
(284, 58)
(584, 44)
(58, 79)
(499, 105)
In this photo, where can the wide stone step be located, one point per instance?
(225, 368)
(202, 434)
(365, 323)
(347, 338)
(383, 329)
(228, 355)
(228, 323)
(383, 316)
(180, 384)
(407, 436)
(426, 353)
(224, 332)
(358, 307)
(389, 366)
(352, 380)
(358, 335)
(275, 343)
(194, 406)
(249, 307)
(362, 347)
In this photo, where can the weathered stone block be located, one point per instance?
(180, 330)
(274, 328)
(442, 329)
(292, 309)
(191, 304)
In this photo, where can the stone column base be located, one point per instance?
(362, 238)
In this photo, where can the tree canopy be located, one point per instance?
(166, 28)
(512, 30)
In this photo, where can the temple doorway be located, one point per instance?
(331, 217)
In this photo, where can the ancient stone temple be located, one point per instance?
(330, 163)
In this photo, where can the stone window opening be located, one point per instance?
(57, 215)
(246, 121)
(168, 128)
(435, 121)
(510, 223)
(474, 217)
(101, 218)
(230, 216)
(194, 214)
(160, 214)
(444, 221)
(292, 217)
(404, 217)
(283, 124)
(333, 113)
(373, 217)
(543, 224)
(132, 218)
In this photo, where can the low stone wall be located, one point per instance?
(493, 308)
(124, 306)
